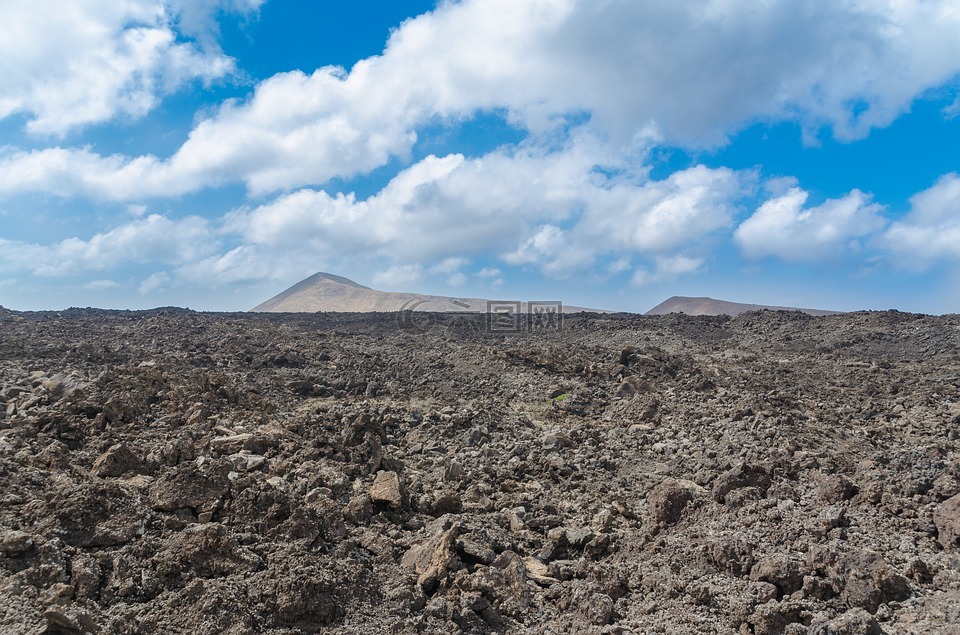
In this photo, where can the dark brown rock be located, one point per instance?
(666, 502)
(190, 486)
(434, 559)
(386, 490)
(743, 475)
(947, 520)
(836, 488)
(781, 571)
(116, 461)
(867, 581)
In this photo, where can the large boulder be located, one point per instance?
(947, 520)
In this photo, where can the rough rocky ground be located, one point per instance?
(177, 472)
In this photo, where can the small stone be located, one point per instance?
(60, 386)
(434, 559)
(229, 444)
(538, 572)
(116, 461)
(386, 489)
(446, 502)
(453, 473)
(780, 571)
(830, 518)
(579, 538)
(868, 581)
(14, 543)
(856, 621)
(603, 521)
(743, 475)
(358, 510)
(64, 618)
(836, 488)
(667, 501)
(475, 551)
(553, 440)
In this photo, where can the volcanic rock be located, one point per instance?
(772, 472)
(947, 520)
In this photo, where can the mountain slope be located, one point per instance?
(710, 306)
(329, 293)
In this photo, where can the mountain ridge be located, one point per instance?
(331, 293)
(712, 306)
(327, 292)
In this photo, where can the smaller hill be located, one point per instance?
(709, 306)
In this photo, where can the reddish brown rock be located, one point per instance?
(947, 520)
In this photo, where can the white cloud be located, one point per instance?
(456, 279)
(198, 18)
(240, 264)
(398, 276)
(156, 283)
(553, 250)
(666, 269)
(549, 211)
(688, 73)
(618, 266)
(70, 64)
(450, 267)
(155, 239)
(100, 285)
(785, 228)
(136, 210)
(930, 232)
(663, 215)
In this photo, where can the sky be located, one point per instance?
(604, 153)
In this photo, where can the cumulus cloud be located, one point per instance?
(666, 269)
(100, 285)
(784, 227)
(662, 215)
(545, 210)
(930, 232)
(153, 240)
(688, 73)
(450, 268)
(155, 283)
(399, 276)
(67, 65)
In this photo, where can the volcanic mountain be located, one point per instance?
(709, 306)
(329, 293)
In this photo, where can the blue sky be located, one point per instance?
(611, 154)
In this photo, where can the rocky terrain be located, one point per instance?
(178, 472)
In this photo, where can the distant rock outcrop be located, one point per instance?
(329, 293)
(709, 306)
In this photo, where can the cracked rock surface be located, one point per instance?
(176, 472)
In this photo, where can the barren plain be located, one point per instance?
(177, 472)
